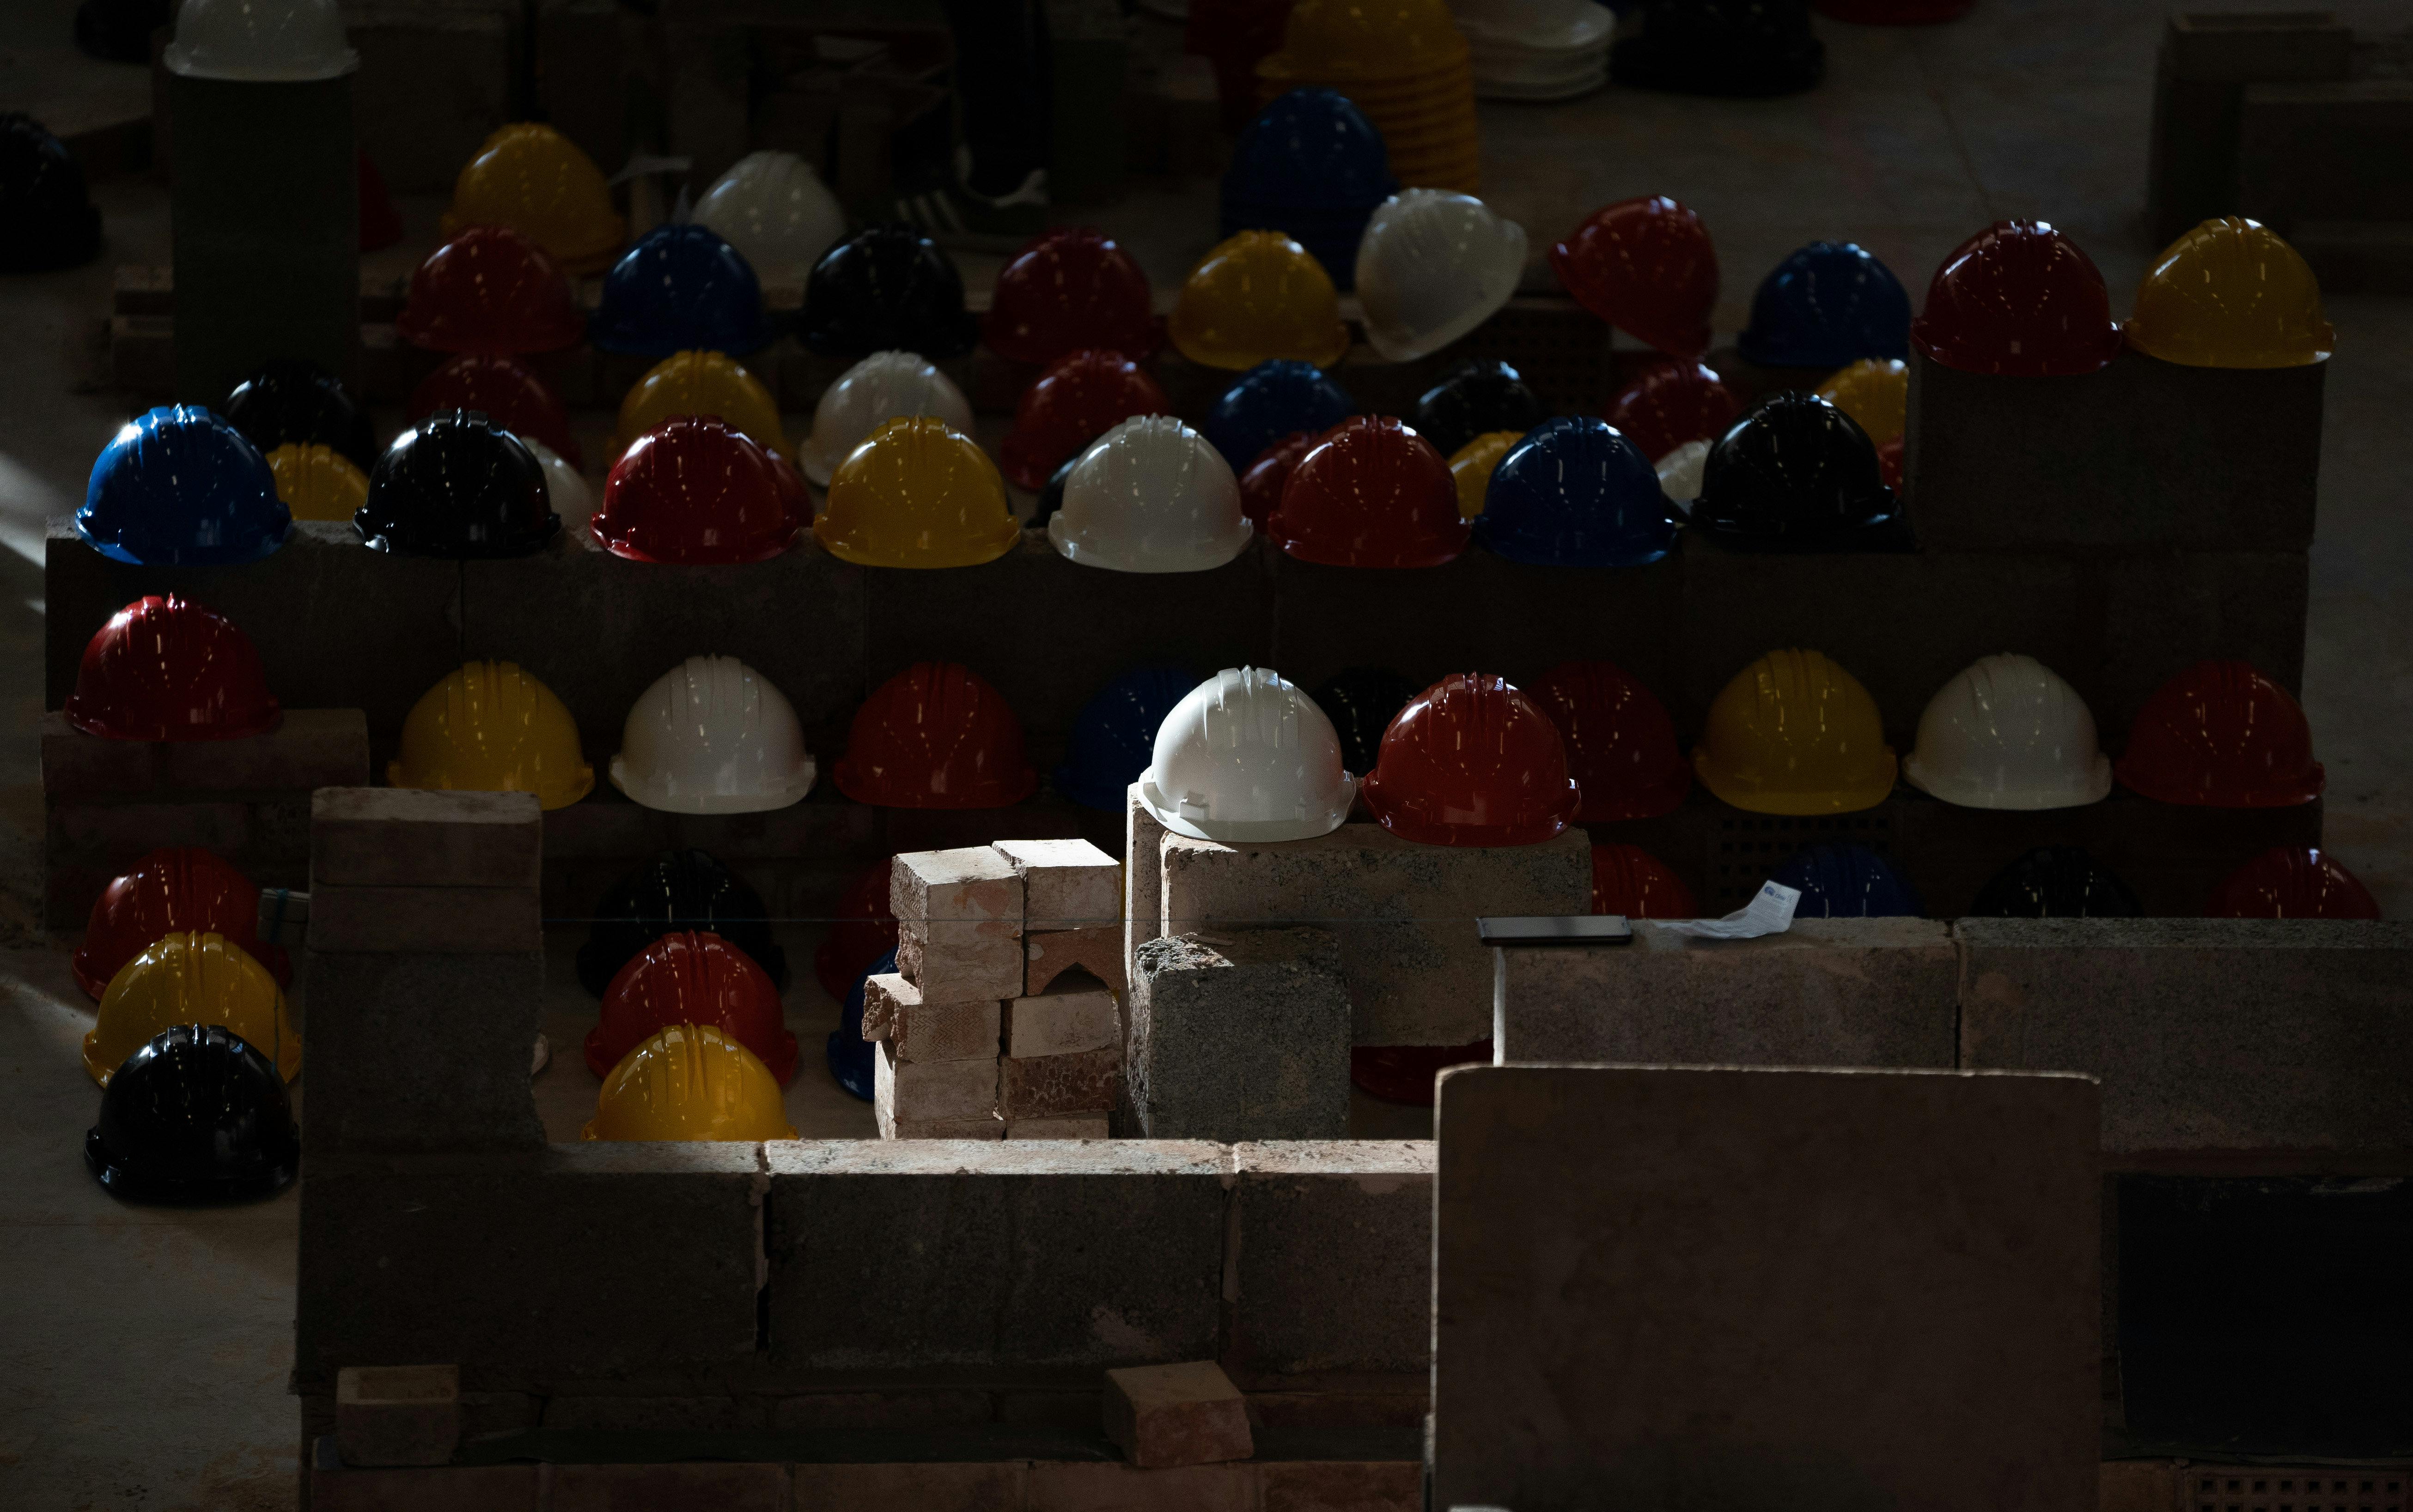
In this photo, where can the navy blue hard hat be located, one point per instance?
(1739, 49)
(681, 288)
(1310, 149)
(1575, 494)
(1828, 305)
(1797, 474)
(1113, 736)
(181, 487)
(850, 1055)
(1361, 702)
(1270, 401)
(1847, 882)
(291, 400)
(47, 217)
(1473, 399)
(195, 1116)
(2056, 882)
(886, 288)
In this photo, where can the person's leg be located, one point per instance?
(992, 190)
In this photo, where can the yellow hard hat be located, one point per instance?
(1470, 466)
(689, 1081)
(191, 978)
(1795, 734)
(1875, 391)
(490, 727)
(700, 383)
(917, 494)
(1347, 40)
(1257, 297)
(533, 180)
(317, 482)
(2230, 294)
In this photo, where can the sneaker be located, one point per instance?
(958, 216)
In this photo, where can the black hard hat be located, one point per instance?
(1051, 498)
(1796, 474)
(678, 889)
(193, 1116)
(120, 30)
(1475, 398)
(47, 220)
(1360, 703)
(1736, 48)
(886, 288)
(458, 485)
(2056, 882)
(294, 401)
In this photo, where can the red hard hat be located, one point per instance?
(1404, 1073)
(2293, 882)
(1670, 405)
(1471, 761)
(2019, 298)
(175, 890)
(1645, 266)
(1260, 486)
(692, 977)
(169, 669)
(1371, 492)
(865, 931)
(1629, 881)
(2221, 735)
(1889, 463)
(1620, 743)
(696, 492)
(1070, 289)
(509, 395)
(494, 291)
(935, 736)
(380, 226)
(1080, 397)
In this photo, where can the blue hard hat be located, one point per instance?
(1113, 736)
(181, 487)
(1575, 494)
(1827, 306)
(850, 1055)
(1273, 399)
(1310, 150)
(1847, 882)
(681, 288)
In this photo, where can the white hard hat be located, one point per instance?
(880, 387)
(571, 499)
(775, 210)
(1150, 495)
(1246, 756)
(1432, 266)
(261, 41)
(713, 736)
(2008, 733)
(1679, 472)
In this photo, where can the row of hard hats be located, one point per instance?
(1405, 64)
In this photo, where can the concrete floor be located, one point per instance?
(145, 1361)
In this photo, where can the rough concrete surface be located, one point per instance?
(1332, 1268)
(1239, 1034)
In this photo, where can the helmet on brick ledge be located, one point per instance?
(2008, 733)
(186, 978)
(490, 291)
(1072, 288)
(695, 492)
(886, 288)
(458, 485)
(2021, 300)
(1150, 495)
(2221, 735)
(1245, 756)
(1257, 297)
(169, 669)
(678, 891)
(1472, 761)
(1795, 734)
(173, 890)
(692, 977)
(1574, 492)
(680, 289)
(1796, 475)
(690, 1082)
(2293, 882)
(1828, 305)
(713, 736)
(181, 488)
(1620, 745)
(1370, 493)
(492, 728)
(1645, 266)
(196, 1115)
(935, 736)
(2230, 294)
(1629, 881)
(917, 495)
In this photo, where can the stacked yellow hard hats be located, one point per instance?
(1795, 734)
(490, 727)
(2230, 294)
(1405, 64)
(700, 383)
(917, 495)
(535, 181)
(1254, 298)
(690, 1082)
(1874, 392)
(316, 482)
(189, 978)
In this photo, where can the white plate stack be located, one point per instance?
(1536, 50)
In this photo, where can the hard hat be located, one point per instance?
(165, 668)
(695, 492)
(1372, 493)
(1308, 149)
(690, 1082)
(1630, 882)
(711, 384)
(173, 890)
(1645, 266)
(2293, 882)
(317, 483)
(1620, 745)
(1262, 485)
(533, 179)
(1406, 1073)
(1069, 289)
(380, 222)
(47, 217)
(1150, 495)
(196, 1115)
(181, 488)
(1574, 492)
(1255, 297)
(676, 890)
(1795, 734)
(1874, 392)
(119, 31)
(1679, 473)
(293, 400)
(2230, 294)
(2221, 735)
(1361, 702)
(1796, 475)
(864, 931)
(1381, 40)
(1246, 756)
(883, 386)
(2008, 733)
(2019, 298)
(778, 215)
(505, 391)
(492, 291)
(1670, 404)
(1270, 401)
(490, 727)
(1828, 304)
(457, 485)
(697, 977)
(1433, 266)
(565, 486)
(1080, 397)
(1737, 49)
(1113, 736)
(260, 41)
(917, 494)
(680, 288)
(1471, 467)
(1471, 761)
(1475, 397)
(935, 736)
(2055, 881)
(851, 1056)
(886, 288)
(1847, 882)
(190, 979)
(713, 736)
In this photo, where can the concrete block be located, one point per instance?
(668, 1488)
(2199, 82)
(800, 857)
(892, 1011)
(402, 837)
(1240, 1035)
(433, 83)
(931, 1092)
(1143, 877)
(337, 1487)
(1061, 1086)
(422, 1052)
(1331, 1268)
(1066, 884)
(913, 1487)
(988, 1127)
(397, 1414)
(2326, 152)
(1717, 1286)
(2358, 257)
(424, 921)
(1189, 1414)
(309, 748)
(1074, 1126)
(1072, 1017)
(1072, 1485)
(1340, 1485)
(960, 923)
(80, 768)
(1097, 951)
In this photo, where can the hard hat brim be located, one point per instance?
(1247, 830)
(1969, 795)
(654, 794)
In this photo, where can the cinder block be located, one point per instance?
(309, 748)
(1072, 1017)
(1073, 1485)
(1240, 1035)
(2326, 152)
(892, 1011)
(913, 1487)
(1189, 1413)
(397, 1414)
(989, 1126)
(422, 1052)
(405, 837)
(1061, 1086)
(958, 923)
(79, 768)
(2198, 81)
(1077, 1126)
(1341, 1486)
(1143, 877)
(424, 921)
(931, 1092)
(668, 1488)
(432, 84)
(1097, 951)
(1066, 884)
(1331, 1260)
